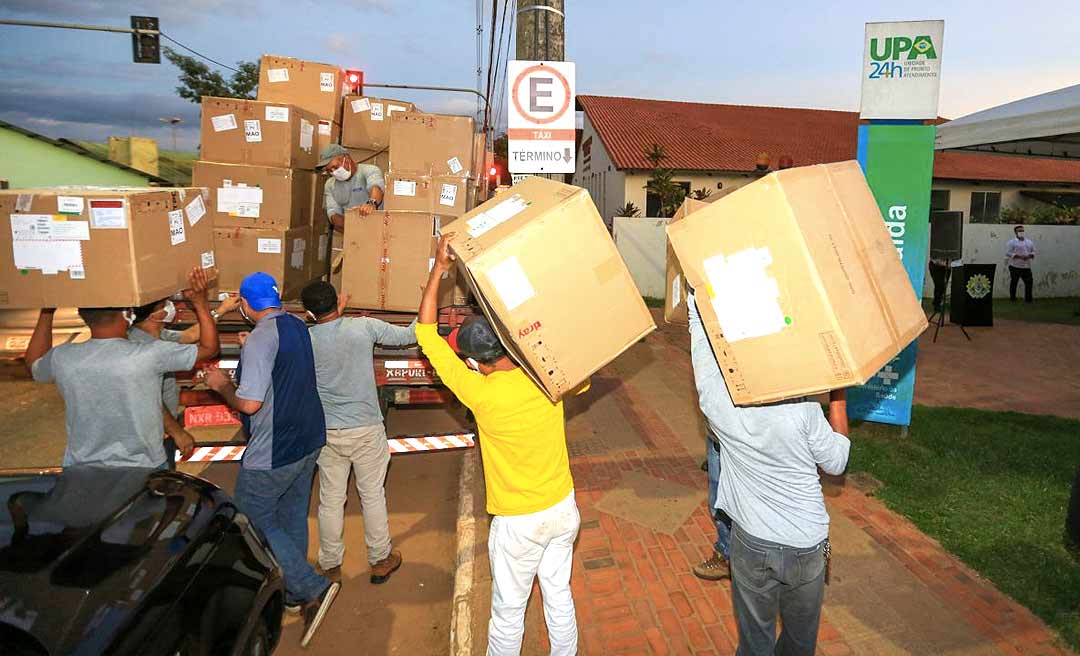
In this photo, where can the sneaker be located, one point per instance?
(332, 573)
(293, 609)
(314, 612)
(713, 569)
(381, 571)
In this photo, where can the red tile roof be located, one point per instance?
(713, 137)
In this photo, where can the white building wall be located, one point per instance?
(597, 174)
(642, 243)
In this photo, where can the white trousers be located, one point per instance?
(365, 452)
(520, 548)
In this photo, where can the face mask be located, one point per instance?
(1020, 235)
(245, 315)
(473, 364)
(311, 315)
(341, 173)
(129, 317)
(170, 312)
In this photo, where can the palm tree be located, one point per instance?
(655, 154)
(629, 209)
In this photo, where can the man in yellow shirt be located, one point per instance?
(526, 471)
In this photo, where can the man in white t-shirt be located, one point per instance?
(1019, 253)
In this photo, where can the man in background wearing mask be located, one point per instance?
(349, 185)
(149, 325)
(280, 410)
(355, 434)
(1018, 255)
(112, 385)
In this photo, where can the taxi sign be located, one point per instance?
(541, 122)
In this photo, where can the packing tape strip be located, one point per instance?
(396, 445)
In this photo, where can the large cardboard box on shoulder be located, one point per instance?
(314, 87)
(259, 133)
(243, 196)
(675, 290)
(435, 144)
(547, 274)
(365, 121)
(99, 247)
(284, 254)
(798, 283)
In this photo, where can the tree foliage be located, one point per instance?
(1041, 215)
(661, 182)
(197, 80)
(629, 209)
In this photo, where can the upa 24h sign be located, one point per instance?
(901, 70)
(540, 125)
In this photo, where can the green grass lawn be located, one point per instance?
(1043, 310)
(993, 488)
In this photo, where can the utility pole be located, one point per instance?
(541, 30)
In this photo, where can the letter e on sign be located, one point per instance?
(541, 119)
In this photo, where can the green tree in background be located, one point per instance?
(661, 182)
(197, 80)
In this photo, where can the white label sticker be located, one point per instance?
(208, 259)
(307, 133)
(448, 195)
(252, 131)
(23, 202)
(322, 247)
(360, 105)
(326, 82)
(298, 248)
(376, 111)
(277, 114)
(77, 273)
(676, 290)
(278, 75)
(69, 204)
(229, 197)
(176, 227)
(107, 213)
(746, 297)
(269, 245)
(502, 212)
(404, 187)
(79, 230)
(196, 210)
(223, 122)
(390, 109)
(31, 226)
(511, 283)
(455, 165)
(47, 256)
(324, 128)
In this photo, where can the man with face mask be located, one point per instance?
(149, 325)
(349, 185)
(1019, 254)
(112, 385)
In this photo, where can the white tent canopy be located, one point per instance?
(1046, 125)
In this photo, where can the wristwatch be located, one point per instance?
(215, 315)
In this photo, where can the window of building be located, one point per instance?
(939, 200)
(985, 206)
(652, 201)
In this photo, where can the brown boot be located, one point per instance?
(332, 573)
(381, 571)
(713, 569)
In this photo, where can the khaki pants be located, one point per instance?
(365, 451)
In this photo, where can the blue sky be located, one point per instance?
(789, 53)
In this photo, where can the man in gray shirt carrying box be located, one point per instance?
(355, 435)
(769, 486)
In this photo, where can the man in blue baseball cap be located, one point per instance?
(279, 406)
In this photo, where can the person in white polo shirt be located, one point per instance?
(1019, 254)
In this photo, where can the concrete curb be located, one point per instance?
(461, 614)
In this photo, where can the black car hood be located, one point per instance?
(80, 549)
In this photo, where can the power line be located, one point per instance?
(197, 53)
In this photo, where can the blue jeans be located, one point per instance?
(276, 501)
(723, 522)
(769, 579)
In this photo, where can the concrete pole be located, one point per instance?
(541, 30)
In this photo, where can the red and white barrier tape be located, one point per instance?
(234, 453)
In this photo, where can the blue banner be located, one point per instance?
(898, 160)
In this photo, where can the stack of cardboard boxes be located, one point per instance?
(258, 161)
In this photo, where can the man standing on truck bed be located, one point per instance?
(112, 385)
(526, 471)
(349, 185)
(355, 434)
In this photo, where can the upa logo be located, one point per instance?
(895, 47)
(531, 328)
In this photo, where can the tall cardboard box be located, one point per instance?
(548, 276)
(388, 256)
(243, 196)
(365, 121)
(284, 254)
(314, 87)
(260, 133)
(798, 282)
(408, 192)
(436, 144)
(99, 247)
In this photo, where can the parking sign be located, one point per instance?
(541, 123)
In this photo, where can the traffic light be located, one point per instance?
(354, 81)
(145, 48)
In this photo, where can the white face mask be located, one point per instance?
(472, 364)
(311, 315)
(170, 312)
(341, 173)
(1020, 235)
(129, 317)
(245, 315)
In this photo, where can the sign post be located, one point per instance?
(541, 122)
(900, 81)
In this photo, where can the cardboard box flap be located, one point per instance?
(675, 283)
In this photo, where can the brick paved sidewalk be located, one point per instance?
(893, 589)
